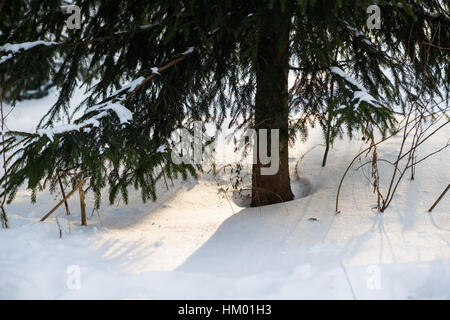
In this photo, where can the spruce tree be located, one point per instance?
(150, 67)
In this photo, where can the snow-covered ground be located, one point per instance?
(195, 242)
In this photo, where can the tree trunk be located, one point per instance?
(271, 106)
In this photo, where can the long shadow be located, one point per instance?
(242, 237)
(256, 240)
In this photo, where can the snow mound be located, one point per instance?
(301, 187)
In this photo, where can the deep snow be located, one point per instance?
(195, 242)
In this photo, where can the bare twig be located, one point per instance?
(80, 184)
(4, 217)
(439, 199)
(400, 156)
(64, 195)
(59, 227)
(350, 165)
(82, 205)
(164, 176)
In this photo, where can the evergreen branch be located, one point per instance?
(155, 71)
(422, 12)
(35, 135)
(165, 67)
(80, 43)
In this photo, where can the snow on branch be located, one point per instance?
(358, 34)
(188, 51)
(14, 48)
(5, 58)
(26, 46)
(136, 84)
(124, 115)
(141, 28)
(361, 94)
(156, 70)
(338, 71)
(129, 86)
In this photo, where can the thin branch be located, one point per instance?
(350, 165)
(62, 201)
(370, 161)
(4, 217)
(439, 199)
(426, 138)
(429, 155)
(64, 195)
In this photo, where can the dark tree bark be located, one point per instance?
(271, 106)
